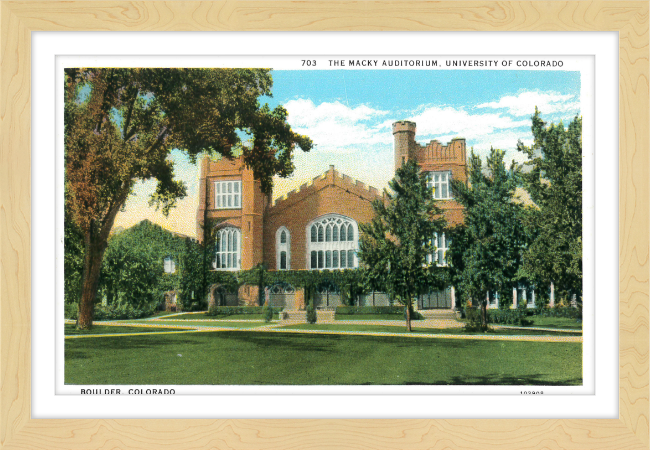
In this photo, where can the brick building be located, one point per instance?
(317, 225)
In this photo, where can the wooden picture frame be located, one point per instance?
(19, 19)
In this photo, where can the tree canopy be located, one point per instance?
(555, 185)
(492, 239)
(394, 247)
(121, 124)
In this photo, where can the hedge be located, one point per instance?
(236, 310)
(509, 317)
(350, 310)
(560, 311)
(111, 312)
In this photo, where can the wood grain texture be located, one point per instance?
(18, 430)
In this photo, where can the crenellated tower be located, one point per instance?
(405, 145)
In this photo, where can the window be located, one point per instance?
(227, 194)
(169, 265)
(283, 248)
(332, 243)
(440, 246)
(440, 182)
(228, 249)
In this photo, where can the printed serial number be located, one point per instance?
(531, 392)
(308, 62)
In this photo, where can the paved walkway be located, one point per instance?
(275, 327)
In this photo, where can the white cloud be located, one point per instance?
(336, 126)
(524, 103)
(447, 121)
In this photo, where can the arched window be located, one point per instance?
(332, 243)
(283, 248)
(228, 252)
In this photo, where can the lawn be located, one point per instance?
(399, 317)
(70, 330)
(418, 330)
(232, 357)
(220, 317)
(556, 322)
(206, 323)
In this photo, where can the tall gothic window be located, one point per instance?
(332, 243)
(228, 252)
(283, 248)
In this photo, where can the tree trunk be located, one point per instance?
(90, 281)
(408, 316)
(484, 314)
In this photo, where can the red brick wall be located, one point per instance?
(329, 194)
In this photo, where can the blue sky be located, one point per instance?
(348, 114)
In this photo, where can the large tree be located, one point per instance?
(555, 185)
(395, 245)
(491, 240)
(121, 124)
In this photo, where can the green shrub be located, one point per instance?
(351, 310)
(415, 315)
(237, 310)
(122, 312)
(562, 311)
(268, 313)
(71, 311)
(516, 317)
(311, 314)
(474, 320)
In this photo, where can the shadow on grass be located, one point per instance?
(296, 343)
(497, 379)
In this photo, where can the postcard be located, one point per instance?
(339, 222)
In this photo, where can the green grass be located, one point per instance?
(183, 323)
(399, 329)
(232, 357)
(219, 324)
(220, 317)
(556, 322)
(399, 317)
(70, 330)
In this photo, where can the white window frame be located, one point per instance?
(227, 194)
(228, 245)
(435, 256)
(436, 181)
(325, 244)
(169, 266)
(282, 247)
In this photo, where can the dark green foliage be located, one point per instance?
(349, 282)
(394, 246)
(236, 310)
(267, 311)
(566, 311)
(516, 317)
(113, 312)
(71, 310)
(311, 314)
(555, 185)
(415, 315)
(489, 245)
(475, 321)
(351, 310)
(133, 267)
(73, 260)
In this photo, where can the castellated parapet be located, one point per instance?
(330, 178)
(405, 145)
